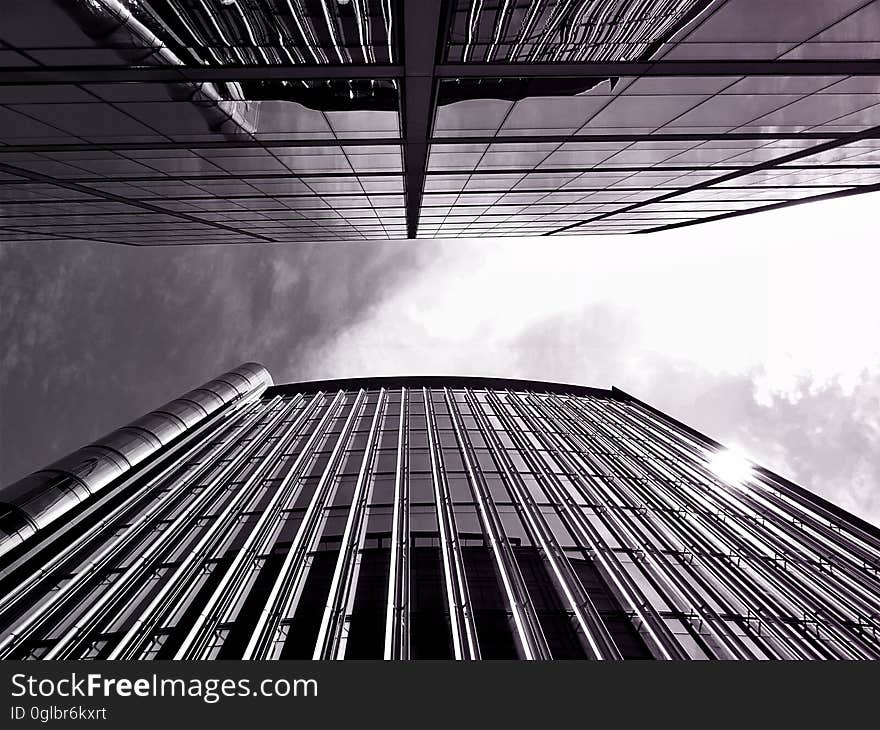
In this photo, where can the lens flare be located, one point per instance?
(730, 465)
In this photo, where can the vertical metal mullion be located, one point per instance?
(739, 500)
(821, 539)
(290, 577)
(226, 591)
(107, 552)
(464, 632)
(663, 527)
(596, 637)
(685, 441)
(100, 608)
(196, 554)
(801, 502)
(528, 628)
(225, 423)
(630, 595)
(844, 592)
(712, 619)
(636, 537)
(766, 542)
(397, 611)
(38, 618)
(754, 499)
(329, 635)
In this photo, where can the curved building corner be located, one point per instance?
(37, 500)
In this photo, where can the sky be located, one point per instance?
(761, 331)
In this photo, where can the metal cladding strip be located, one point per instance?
(663, 502)
(185, 576)
(676, 533)
(621, 524)
(767, 504)
(767, 541)
(800, 502)
(258, 541)
(853, 587)
(285, 591)
(776, 508)
(667, 529)
(863, 588)
(253, 547)
(525, 618)
(231, 589)
(44, 496)
(166, 540)
(629, 594)
(353, 577)
(134, 572)
(820, 538)
(589, 625)
(464, 631)
(865, 542)
(120, 543)
(397, 612)
(132, 534)
(222, 530)
(59, 557)
(56, 564)
(592, 627)
(837, 594)
(777, 580)
(330, 644)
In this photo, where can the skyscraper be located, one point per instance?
(426, 517)
(167, 122)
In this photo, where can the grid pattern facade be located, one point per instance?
(446, 519)
(182, 122)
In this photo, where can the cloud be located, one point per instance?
(822, 435)
(95, 335)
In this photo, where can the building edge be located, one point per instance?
(795, 490)
(37, 500)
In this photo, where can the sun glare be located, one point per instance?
(731, 466)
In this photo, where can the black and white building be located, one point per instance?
(161, 122)
(425, 517)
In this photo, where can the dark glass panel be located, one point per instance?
(619, 625)
(452, 460)
(421, 488)
(388, 439)
(556, 622)
(419, 461)
(344, 492)
(460, 489)
(303, 632)
(383, 490)
(241, 631)
(491, 614)
(430, 632)
(366, 632)
(386, 461)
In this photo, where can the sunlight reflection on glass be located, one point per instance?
(730, 465)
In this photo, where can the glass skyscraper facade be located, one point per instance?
(426, 517)
(163, 122)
